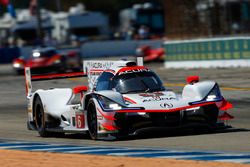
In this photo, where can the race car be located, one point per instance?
(121, 99)
(48, 59)
(150, 54)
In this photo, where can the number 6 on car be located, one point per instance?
(80, 123)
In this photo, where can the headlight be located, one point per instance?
(211, 97)
(57, 61)
(108, 104)
(17, 65)
(115, 106)
(139, 52)
(36, 54)
(214, 94)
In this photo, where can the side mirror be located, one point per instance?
(80, 89)
(192, 79)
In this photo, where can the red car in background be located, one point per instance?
(150, 54)
(47, 60)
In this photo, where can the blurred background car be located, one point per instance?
(150, 54)
(48, 59)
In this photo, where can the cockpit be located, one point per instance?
(133, 82)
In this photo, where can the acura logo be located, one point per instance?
(166, 105)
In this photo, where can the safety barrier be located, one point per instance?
(215, 52)
(115, 48)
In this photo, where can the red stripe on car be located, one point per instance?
(110, 127)
(95, 70)
(106, 116)
(51, 76)
(129, 100)
(131, 68)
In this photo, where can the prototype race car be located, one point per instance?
(48, 59)
(150, 54)
(122, 98)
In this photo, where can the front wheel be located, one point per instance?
(40, 118)
(92, 119)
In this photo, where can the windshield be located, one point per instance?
(137, 82)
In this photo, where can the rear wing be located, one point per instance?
(29, 78)
(94, 68)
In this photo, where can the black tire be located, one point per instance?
(92, 120)
(39, 117)
(211, 112)
(210, 115)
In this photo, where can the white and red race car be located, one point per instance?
(122, 98)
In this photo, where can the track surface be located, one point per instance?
(13, 113)
(243, 158)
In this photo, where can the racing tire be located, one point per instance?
(210, 114)
(92, 120)
(40, 118)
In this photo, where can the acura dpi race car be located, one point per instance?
(122, 98)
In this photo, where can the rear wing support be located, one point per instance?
(28, 84)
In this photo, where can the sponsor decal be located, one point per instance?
(99, 65)
(156, 94)
(167, 105)
(134, 71)
(155, 97)
(75, 108)
(99, 117)
(96, 72)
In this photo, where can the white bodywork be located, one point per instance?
(59, 106)
(197, 91)
(73, 117)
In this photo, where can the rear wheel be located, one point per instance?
(92, 119)
(40, 118)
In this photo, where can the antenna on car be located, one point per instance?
(124, 59)
(131, 64)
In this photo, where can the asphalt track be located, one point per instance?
(235, 85)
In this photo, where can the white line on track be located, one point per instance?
(66, 148)
(131, 152)
(234, 160)
(97, 150)
(22, 146)
(197, 156)
(185, 156)
(136, 153)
